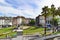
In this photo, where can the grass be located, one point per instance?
(10, 35)
(58, 32)
(5, 30)
(33, 30)
(3, 36)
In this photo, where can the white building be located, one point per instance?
(49, 19)
(27, 21)
(2, 22)
(40, 20)
(20, 20)
(5, 21)
(8, 21)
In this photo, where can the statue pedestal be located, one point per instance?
(19, 32)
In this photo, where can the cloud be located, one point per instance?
(7, 10)
(27, 8)
(20, 7)
(3, 3)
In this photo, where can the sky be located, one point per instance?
(26, 8)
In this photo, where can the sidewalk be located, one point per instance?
(48, 37)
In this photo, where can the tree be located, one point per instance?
(55, 22)
(58, 11)
(50, 11)
(53, 12)
(44, 13)
(32, 22)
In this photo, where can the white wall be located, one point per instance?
(2, 21)
(19, 21)
(41, 20)
(8, 22)
(49, 18)
(27, 21)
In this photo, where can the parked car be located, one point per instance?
(58, 28)
(48, 26)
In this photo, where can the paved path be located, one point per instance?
(20, 37)
(17, 38)
(30, 37)
(48, 37)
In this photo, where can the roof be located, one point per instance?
(18, 17)
(5, 17)
(39, 16)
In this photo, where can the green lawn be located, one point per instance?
(33, 30)
(6, 30)
(10, 35)
(57, 32)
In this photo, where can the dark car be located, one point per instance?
(58, 28)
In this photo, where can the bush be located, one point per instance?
(32, 22)
(40, 25)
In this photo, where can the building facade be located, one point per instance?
(27, 21)
(19, 20)
(40, 20)
(5, 21)
(8, 21)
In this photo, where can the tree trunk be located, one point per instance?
(53, 23)
(45, 26)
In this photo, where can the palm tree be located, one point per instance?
(44, 13)
(58, 11)
(53, 12)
